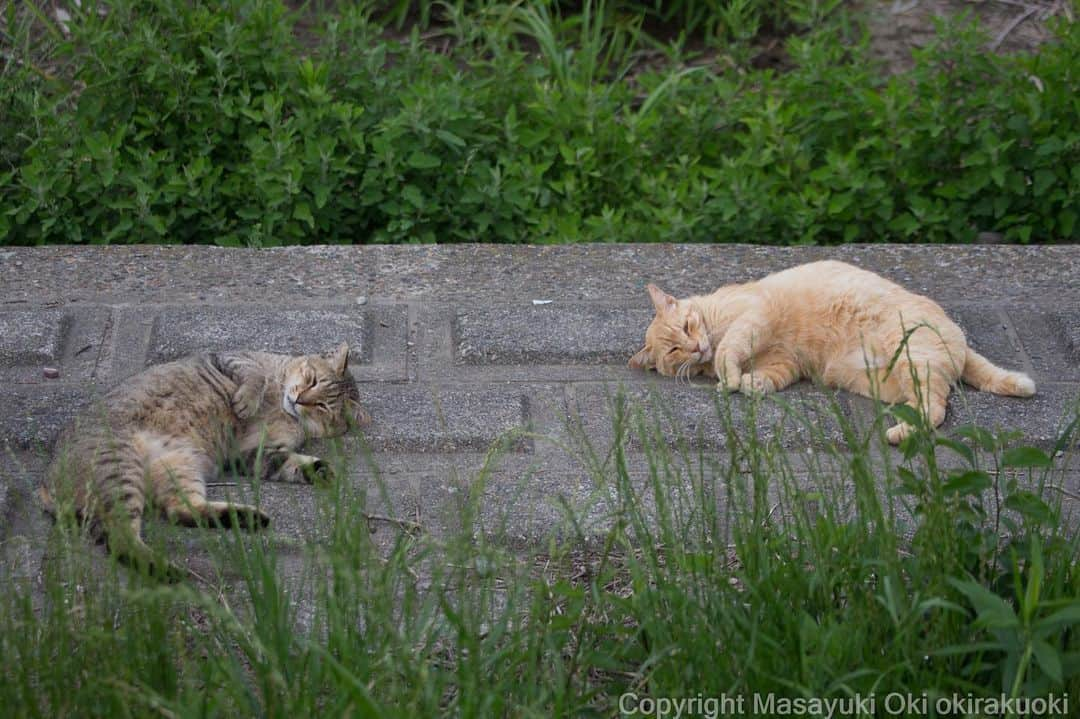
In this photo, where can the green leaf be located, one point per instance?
(970, 482)
(1047, 658)
(906, 413)
(959, 447)
(1066, 221)
(423, 161)
(991, 610)
(978, 435)
(1034, 580)
(1025, 457)
(1029, 505)
(1043, 180)
(1067, 617)
(413, 195)
(302, 212)
(449, 138)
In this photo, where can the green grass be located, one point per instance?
(234, 123)
(715, 572)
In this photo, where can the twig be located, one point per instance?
(1012, 26)
(899, 7)
(196, 576)
(1068, 493)
(406, 525)
(221, 484)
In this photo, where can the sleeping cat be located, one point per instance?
(828, 321)
(164, 433)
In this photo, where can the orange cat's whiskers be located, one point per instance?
(682, 374)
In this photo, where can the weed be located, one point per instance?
(727, 563)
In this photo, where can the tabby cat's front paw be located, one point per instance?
(246, 401)
(303, 468)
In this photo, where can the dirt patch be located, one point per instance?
(899, 26)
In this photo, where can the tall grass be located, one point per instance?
(724, 566)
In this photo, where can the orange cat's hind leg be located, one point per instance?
(927, 392)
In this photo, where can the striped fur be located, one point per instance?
(163, 434)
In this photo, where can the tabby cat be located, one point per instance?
(166, 432)
(829, 321)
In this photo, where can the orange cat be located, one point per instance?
(827, 321)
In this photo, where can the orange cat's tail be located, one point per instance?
(983, 374)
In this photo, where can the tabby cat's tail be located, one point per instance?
(983, 374)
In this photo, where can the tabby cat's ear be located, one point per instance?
(662, 301)
(339, 358)
(642, 360)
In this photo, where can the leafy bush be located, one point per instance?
(224, 123)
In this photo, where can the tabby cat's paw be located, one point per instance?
(246, 401)
(302, 468)
(756, 384)
(245, 516)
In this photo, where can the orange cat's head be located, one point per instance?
(677, 341)
(321, 394)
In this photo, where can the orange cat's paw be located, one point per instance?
(898, 433)
(755, 384)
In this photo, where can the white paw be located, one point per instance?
(897, 434)
(755, 384)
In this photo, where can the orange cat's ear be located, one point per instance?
(339, 358)
(642, 360)
(662, 301)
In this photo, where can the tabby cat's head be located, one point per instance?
(320, 393)
(677, 341)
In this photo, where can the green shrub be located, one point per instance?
(223, 123)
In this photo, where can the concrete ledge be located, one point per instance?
(452, 354)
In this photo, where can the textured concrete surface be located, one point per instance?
(486, 369)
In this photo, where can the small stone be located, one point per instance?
(51, 373)
(361, 300)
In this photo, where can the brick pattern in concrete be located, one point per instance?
(453, 354)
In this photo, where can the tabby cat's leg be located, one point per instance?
(178, 477)
(301, 468)
(248, 397)
(115, 504)
(273, 448)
